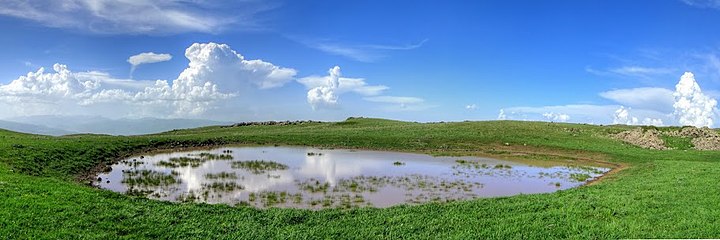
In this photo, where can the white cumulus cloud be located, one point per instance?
(622, 116)
(324, 91)
(212, 67)
(556, 117)
(692, 107)
(219, 63)
(471, 107)
(501, 115)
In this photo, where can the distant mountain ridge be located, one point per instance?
(63, 125)
(31, 128)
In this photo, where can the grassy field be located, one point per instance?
(44, 190)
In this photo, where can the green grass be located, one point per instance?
(44, 190)
(678, 143)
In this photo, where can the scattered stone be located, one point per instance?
(271, 123)
(707, 143)
(702, 138)
(642, 138)
(693, 132)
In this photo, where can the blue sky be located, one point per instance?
(578, 61)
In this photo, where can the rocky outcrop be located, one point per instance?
(268, 123)
(701, 138)
(643, 138)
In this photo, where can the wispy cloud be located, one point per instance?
(659, 99)
(145, 58)
(631, 71)
(640, 71)
(136, 17)
(703, 3)
(395, 100)
(358, 52)
(400, 103)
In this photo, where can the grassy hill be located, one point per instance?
(659, 194)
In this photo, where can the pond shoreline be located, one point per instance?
(616, 167)
(461, 173)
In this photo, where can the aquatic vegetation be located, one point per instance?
(192, 160)
(259, 166)
(580, 177)
(211, 156)
(223, 186)
(221, 175)
(314, 186)
(132, 163)
(148, 178)
(271, 198)
(466, 164)
(226, 181)
(500, 166)
(181, 162)
(297, 198)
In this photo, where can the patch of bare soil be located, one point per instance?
(643, 138)
(693, 132)
(707, 143)
(702, 138)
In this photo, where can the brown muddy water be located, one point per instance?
(312, 178)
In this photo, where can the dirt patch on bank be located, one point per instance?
(649, 138)
(701, 138)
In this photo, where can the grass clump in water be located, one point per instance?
(181, 162)
(148, 178)
(259, 166)
(314, 186)
(221, 175)
(212, 156)
(580, 177)
(224, 186)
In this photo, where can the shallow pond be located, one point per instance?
(314, 178)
